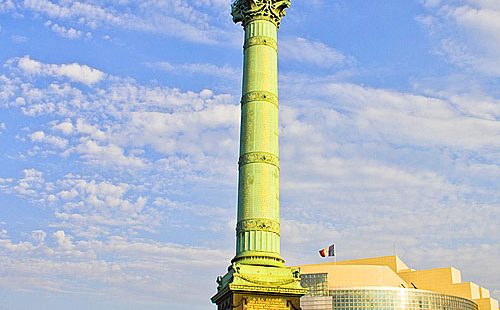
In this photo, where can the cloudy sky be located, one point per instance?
(119, 143)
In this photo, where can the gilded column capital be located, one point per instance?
(245, 11)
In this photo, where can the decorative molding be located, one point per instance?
(259, 158)
(261, 259)
(245, 11)
(267, 289)
(256, 280)
(259, 96)
(261, 40)
(258, 224)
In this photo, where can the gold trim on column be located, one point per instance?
(259, 96)
(261, 40)
(259, 157)
(258, 224)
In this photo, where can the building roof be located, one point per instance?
(391, 271)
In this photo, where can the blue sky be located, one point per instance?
(119, 142)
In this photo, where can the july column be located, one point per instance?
(258, 228)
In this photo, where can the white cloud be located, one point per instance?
(75, 72)
(179, 129)
(131, 117)
(69, 33)
(431, 3)
(485, 20)
(16, 247)
(313, 52)
(401, 118)
(31, 184)
(107, 154)
(226, 71)
(6, 5)
(198, 210)
(134, 270)
(65, 127)
(225, 4)
(89, 207)
(173, 18)
(38, 236)
(93, 132)
(94, 13)
(2, 127)
(467, 33)
(40, 136)
(64, 241)
(5, 184)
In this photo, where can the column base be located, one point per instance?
(259, 259)
(247, 287)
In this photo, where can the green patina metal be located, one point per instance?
(257, 265)
(259, 96)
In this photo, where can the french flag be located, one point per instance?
(328, 251)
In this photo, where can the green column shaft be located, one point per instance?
(258, 228)
(257, 271)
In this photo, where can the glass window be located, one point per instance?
(320, 297)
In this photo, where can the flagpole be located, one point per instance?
(335, 255)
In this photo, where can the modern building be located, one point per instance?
(388, 283)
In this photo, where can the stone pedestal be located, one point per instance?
(247, 287)
(257, 301)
